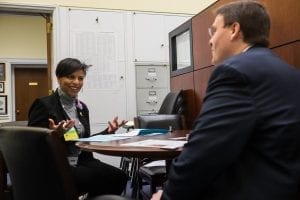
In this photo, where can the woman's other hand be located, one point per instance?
(157, 195)
(114, 125)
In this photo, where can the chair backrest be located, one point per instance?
(36, 161)
(173, 103)
(176, 121)
(5, 186)
(14, 123)
(3, 181)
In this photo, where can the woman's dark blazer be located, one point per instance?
(50, 107)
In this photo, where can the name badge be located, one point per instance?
(71, 134)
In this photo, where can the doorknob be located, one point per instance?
(17, 111)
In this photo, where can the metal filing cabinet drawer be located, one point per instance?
(152, 76)
(150, 99)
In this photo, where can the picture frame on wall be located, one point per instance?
(2, 87)
(3, 104)
(2, 71)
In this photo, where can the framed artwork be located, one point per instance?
(3, 104)
(2, 71)
(2, 88)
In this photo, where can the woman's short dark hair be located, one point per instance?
(68, 66)
(253, 18)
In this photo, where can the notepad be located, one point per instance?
(135, 132)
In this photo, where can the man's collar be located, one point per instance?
(248, 47)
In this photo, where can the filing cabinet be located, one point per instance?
(152, 85)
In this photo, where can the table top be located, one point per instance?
(115, 148)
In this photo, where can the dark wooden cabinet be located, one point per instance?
(186, 83)
(284, 41)
(201, 78)
(201, 48)
(285, 21)
(290, 53)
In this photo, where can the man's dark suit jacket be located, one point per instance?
(245, 143)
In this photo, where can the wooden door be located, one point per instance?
(30, 83)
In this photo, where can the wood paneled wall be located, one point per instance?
(284, 40)
(186, 82)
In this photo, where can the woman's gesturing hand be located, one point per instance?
(114, 125)
(62, 127)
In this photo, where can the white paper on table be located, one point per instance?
(129, 123)
(156, 163)
(132, 133)
(100, 138)
(163, 144)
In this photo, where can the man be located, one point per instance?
(245, 143)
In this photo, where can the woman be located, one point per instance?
(62, 110)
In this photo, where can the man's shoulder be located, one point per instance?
(254, 60)
(251, 56)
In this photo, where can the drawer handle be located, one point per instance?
(151, 102)
(151, 79)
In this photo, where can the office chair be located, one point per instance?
(173, 103)
(160, 121)
(5, 186)
(37, 163)
(169, 116)
(155, 176)
(14, 123)
(2, 177)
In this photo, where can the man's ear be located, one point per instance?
(235, 31)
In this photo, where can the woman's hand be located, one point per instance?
(62, 127)
(157, 195)
(114, 125)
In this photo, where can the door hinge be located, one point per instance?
(49, 27)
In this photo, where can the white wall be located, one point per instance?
(170, 6)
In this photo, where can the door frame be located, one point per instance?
(16, 64)
(28, 9)
(46, 11)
